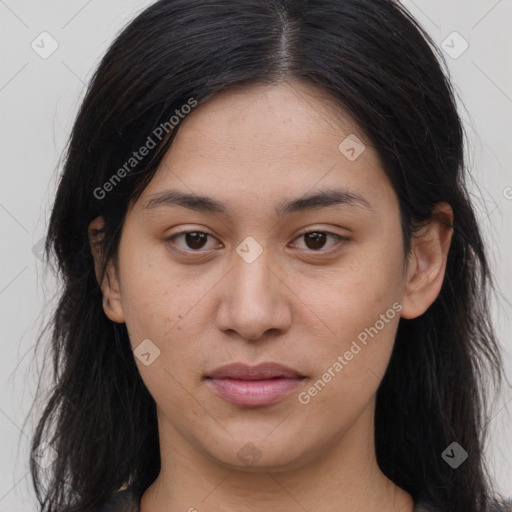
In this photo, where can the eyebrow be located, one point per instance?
(321, 199)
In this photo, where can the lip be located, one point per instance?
(261, 371)
(254, 386)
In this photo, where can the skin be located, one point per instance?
(296, 304)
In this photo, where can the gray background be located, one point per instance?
(39, 99)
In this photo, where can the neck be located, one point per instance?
(343, 476)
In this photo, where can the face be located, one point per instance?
(318, 287)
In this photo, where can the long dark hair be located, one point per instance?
(383, 69)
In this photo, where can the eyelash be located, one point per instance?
(341, 241)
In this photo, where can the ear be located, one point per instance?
(108, 282)
(427, 262)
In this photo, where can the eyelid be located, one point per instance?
(340, 238)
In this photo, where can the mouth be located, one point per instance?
(257, 386)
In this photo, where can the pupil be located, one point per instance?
(318, 240)
(192, 239)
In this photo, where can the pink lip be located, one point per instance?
(253, 393)
(248, 386)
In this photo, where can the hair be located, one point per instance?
(379, 65)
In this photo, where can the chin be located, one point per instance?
(257, 456)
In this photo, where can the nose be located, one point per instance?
(255, 300)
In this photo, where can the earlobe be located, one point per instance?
(109, 282)
(427, 262)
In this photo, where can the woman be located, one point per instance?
(274, 285)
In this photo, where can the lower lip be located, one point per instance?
(254, 393)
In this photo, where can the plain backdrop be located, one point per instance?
(39, 98)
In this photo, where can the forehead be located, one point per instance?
(265, 116)
(262, 143)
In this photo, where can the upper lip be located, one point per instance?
(259, 372)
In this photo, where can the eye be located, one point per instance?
(194, 240)
(316, 240)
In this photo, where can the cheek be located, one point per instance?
(349, 371)
(150, 290)
(349, 297)
(355, 310)
(162, 304)
(156, 311)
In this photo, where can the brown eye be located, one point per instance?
(193, 241)
(316, 240)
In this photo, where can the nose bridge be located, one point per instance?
(253, 298)
(253, 274)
